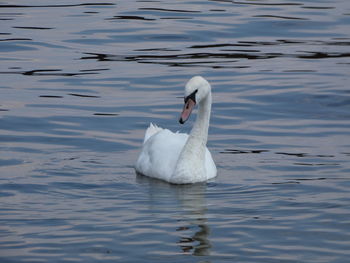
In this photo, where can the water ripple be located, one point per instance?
(80, 84)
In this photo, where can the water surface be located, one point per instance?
(80, 82)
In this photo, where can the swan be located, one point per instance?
(179, 158)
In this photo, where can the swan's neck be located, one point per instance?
(199, 133)
(192, 157)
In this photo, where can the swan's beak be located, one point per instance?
(186, 112)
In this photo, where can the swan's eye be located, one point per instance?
(192, 96)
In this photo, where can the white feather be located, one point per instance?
(177, 157)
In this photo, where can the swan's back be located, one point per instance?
(160, 152)
(151, 130)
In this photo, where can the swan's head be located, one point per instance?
(197, 88)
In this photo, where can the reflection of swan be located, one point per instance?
(176, 157)
(201, 236)
(190, 202)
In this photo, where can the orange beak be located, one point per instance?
(186, 112)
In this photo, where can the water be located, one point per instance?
(81, 80)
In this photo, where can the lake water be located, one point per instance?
(81, 80)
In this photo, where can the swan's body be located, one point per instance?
(177, 157)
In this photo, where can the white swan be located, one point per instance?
(177, 157)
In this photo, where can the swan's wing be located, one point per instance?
(160, 153)
(151, 130)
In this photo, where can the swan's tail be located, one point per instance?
(151, 130)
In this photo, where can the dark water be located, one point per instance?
(81, 80)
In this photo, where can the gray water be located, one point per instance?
(81, 80)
